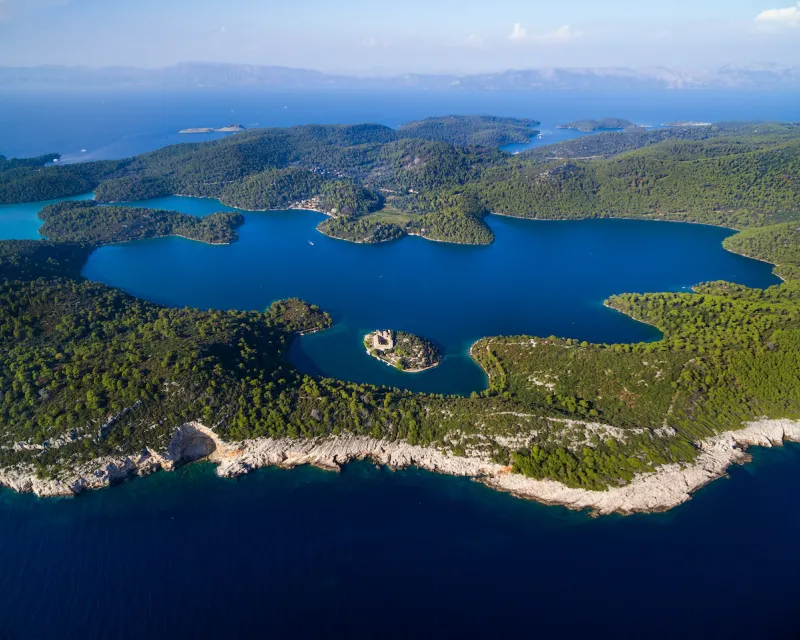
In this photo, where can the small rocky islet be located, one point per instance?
(404, 351)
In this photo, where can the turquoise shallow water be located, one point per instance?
(539, 277)
(19, 221)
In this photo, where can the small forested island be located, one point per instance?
(361, 230)
(590, 126)
(228, 128)
(402, 350)
(99, 385)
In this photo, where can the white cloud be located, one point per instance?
(789, 16)
(476, 41)
(564, 33)
(518, 33)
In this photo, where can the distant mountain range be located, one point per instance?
(197, 74)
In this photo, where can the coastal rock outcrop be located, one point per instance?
(96, 474)
(669, 486)
(663, 489)
(190, 442)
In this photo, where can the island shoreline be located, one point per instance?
(435, 363)
(661, 490)
(294, 207)
(390, 365)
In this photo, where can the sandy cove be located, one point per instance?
(663, 489)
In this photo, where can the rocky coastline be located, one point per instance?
(661, 490)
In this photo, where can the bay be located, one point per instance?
(538, 278)
(20, 222)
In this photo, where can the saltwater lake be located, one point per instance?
(370, 551)
(538, 278)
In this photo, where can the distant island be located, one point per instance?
(227, 76)
(229, 128)
(402, 350)
(590, 126)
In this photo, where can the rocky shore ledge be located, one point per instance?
(661, 490)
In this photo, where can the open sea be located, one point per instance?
(368, 551)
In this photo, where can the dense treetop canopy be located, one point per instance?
(86, 370)
(88, 221)
(735, 174)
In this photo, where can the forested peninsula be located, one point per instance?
(88, 221)
(439, 178)
(98, 385)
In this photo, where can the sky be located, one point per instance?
(378, 36)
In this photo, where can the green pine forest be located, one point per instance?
(87, 370)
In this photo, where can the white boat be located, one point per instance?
(311, 243)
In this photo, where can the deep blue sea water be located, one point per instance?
(121, 124)
(367, 551)
(373, 553)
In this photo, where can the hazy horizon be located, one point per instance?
(358, 37)
(384, 71)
